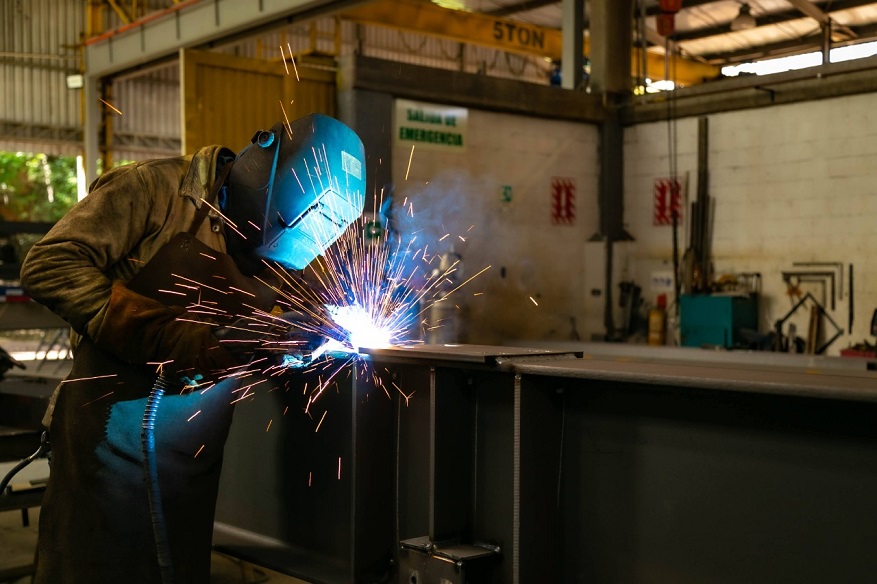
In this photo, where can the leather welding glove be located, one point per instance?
(276, 338)
(299, 340)
(140, 330)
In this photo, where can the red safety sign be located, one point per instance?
(668, 199)
(563, 201)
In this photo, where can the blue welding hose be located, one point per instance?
(150, 468)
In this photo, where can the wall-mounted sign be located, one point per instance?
(563, 201)
(429, 125)
(667, 194)
(662, 281)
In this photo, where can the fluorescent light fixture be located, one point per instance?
(75, 81)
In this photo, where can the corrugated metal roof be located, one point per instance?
(703, 26)
(37, 52)
(39, 40)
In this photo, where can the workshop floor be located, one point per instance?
(17, 544)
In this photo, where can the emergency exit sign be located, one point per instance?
(431, 126)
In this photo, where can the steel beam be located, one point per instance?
(470, 90)
(809, 9)
(825, 81)
(495, 32)
(570, 468)
(187, 24)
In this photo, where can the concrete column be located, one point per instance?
(573, 41)
(90, 127)
(611, 40)
(370, 115)
(611, 76)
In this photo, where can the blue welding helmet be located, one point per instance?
(293, 191)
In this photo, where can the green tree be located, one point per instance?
(36, 187)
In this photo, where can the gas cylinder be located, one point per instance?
(658, 321)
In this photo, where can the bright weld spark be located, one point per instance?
(292, 58)
(98, 398)
(193, 321)
(243, 397)
(242, 291)
(288, 126)
(227, 221)
(317, 429)
(200, 285)
(111, 107)
(310, 478)
(533, 300)
(360, 294)
(410, 157)
(339, 468)
(89, 379)
(282, 56)
(295, 174)
(193, 416)
(199, 451)
(206, 255)
(269, 424)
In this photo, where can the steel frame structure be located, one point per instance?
(559, 468)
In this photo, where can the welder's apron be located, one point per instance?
(95, 524)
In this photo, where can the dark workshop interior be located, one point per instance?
(578, 290)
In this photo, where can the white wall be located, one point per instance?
(453, 191)
(792, 183)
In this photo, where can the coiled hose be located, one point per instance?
(43, 449)
(150, 468)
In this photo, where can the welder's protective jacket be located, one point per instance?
(95, 522)
(129, 214)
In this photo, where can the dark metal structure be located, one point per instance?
(526, 465)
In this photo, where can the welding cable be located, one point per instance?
(43, 449)
(150, 468)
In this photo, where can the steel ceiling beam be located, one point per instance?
(190, 23)
(809, 9)
(119, 11)
(764, 19)
(525, 6)
(783, 48)
(495, 32)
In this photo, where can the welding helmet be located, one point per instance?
(293, 191)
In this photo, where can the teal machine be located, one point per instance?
(717, 320)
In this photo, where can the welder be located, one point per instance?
(112, 267)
